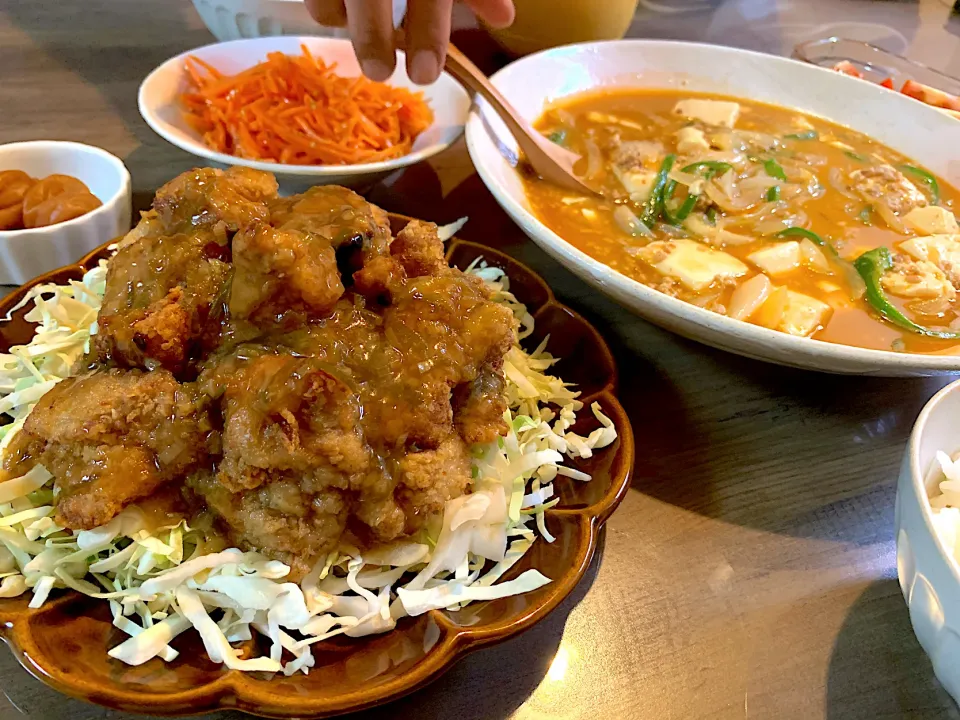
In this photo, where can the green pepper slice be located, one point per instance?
(774, 170)
(808, 135)
(871, 266)
(773, 193)
(712, 167)
(558, 136)
(929, 180)
(653, 208)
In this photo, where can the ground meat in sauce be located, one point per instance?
(284, 364)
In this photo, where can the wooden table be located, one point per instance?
(751, 570)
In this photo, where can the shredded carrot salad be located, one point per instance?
(298, 111)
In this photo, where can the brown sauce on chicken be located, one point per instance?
(282, 364)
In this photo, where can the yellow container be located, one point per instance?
(542, 24)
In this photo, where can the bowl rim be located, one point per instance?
(200, 150)
(106, 206)
(628, 287)
(918, 474)
(232, 690)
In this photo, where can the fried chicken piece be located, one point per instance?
(280, 519)
(428, 479)
(285, 415)
(379, 279)
(110, 438)
(293, 453)
(277, 272)
(357, 230)
(478, 406)
(163, 302)
(235, 197)
(416, 251)
(445, 329)
(419, 250)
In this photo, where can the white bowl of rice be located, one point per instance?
(928, 533)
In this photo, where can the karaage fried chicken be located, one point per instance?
(282, 273)
(357, 230)
(309, 375)
(112, 437)
(163, 302)
(204, 197)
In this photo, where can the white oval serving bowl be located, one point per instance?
(533, 83)
(159, 106)
(235, 19)
(929, 576)
(24, 254)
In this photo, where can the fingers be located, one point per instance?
(370, 23)
(328, 12)
(496, 13)
(427, 28)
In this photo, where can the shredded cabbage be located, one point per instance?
(161, 582)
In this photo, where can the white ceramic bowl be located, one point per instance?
(24, 254)
(235, 19)
(929, 577)
(159, 93)
(533, 83)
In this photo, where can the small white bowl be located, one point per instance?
(929, 576)
(159, 106)
(235, 19)
(24, 254)
(535, 82)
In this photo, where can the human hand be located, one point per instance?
(427, 29)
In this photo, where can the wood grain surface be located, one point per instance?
(751, 570)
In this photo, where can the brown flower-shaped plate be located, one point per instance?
(65, 642)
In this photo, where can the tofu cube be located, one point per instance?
(638, 184)
(691, 140)
(710, 112)
(884, 185)
(777, 259)
(941, 250)
(694, 265)
(932, 220)
(803, 314)
(917, 279)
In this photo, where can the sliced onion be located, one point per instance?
(683, 178)
(931, 306)
(594, 158)
(813, 256)
(726, 237)
(749, 296)
(705, 301)
(809, 159)
(773, 225)
(698, 225)
(762, 140)
(835, 176)
(725, 183)
(724, 201)
(630, 223)
(760, 181)
(671, 230)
